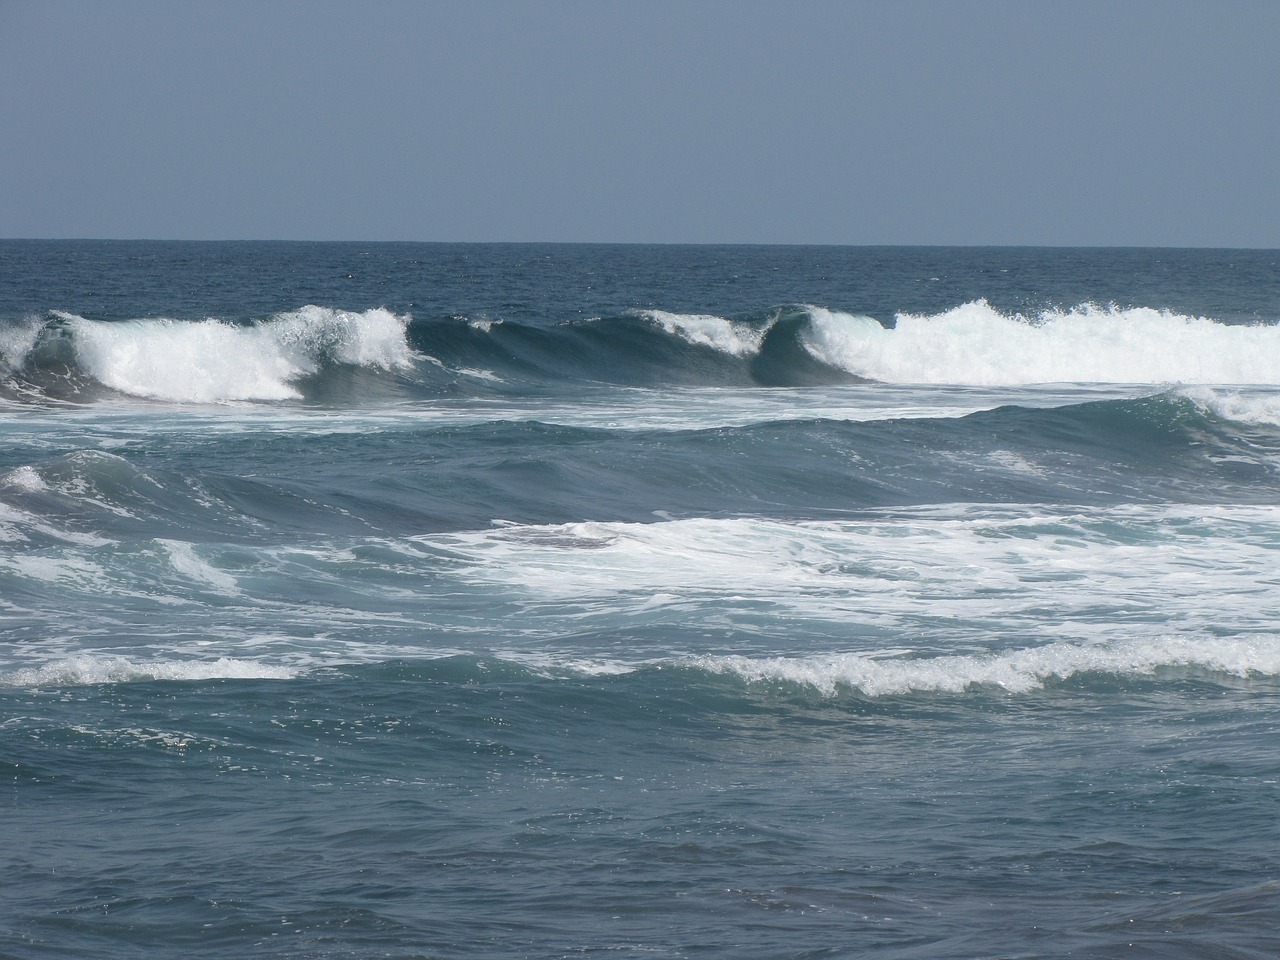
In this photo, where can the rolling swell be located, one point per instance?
(642, 348)
(256, 482)
(65, 357)
(707, 684)
(327, 356)
(800, 345)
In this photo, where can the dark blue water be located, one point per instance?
(422, 600)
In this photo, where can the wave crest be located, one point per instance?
(972, 345)
(1016, 671)
(209, 361)
(88, 669)
(975, 344)
(725, 336)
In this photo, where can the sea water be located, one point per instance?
(430, 600)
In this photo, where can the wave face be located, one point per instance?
(210, 361)
(868, 601)
(312, 353)
(976, 344)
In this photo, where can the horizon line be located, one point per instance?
(644, 243)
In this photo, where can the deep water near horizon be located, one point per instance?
(434, 600)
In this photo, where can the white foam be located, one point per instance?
(15, 524)
(92, 669)
(17, 341)
(184, 559)
(976, 344)
(1256, 407)
(73, 572)
(373, 338)
(477, 374)
(559, 664)
(1016, 671)
(949, 577)
(725, 336)
(210, 361)
(25, 478)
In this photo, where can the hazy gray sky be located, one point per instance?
(880, 121)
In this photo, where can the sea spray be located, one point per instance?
(209, 361)
(976, 344)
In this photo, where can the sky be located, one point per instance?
(987, 122)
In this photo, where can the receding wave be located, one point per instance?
(86, 669)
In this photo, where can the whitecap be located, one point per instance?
(210, 360)
(978, 345)
(724, 336)
(1254, 407)
(87, 669)
(1015, 671)
(185, 561)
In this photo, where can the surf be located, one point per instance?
(978, 345)
(206, 361)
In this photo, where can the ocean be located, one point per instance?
(490, 601)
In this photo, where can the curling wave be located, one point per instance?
(315, 353)
(975, 344)
(210, 361)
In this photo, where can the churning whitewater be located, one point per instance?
(278, 358)
(757, 601)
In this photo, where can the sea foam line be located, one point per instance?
(86, 669)
(872, 674)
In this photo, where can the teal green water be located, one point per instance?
(485, 601)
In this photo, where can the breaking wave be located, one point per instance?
(210, 360)
(976, 344)
(891, 673)
(1015, 671)
(725, 336)
(87, 669)
(311, 353)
